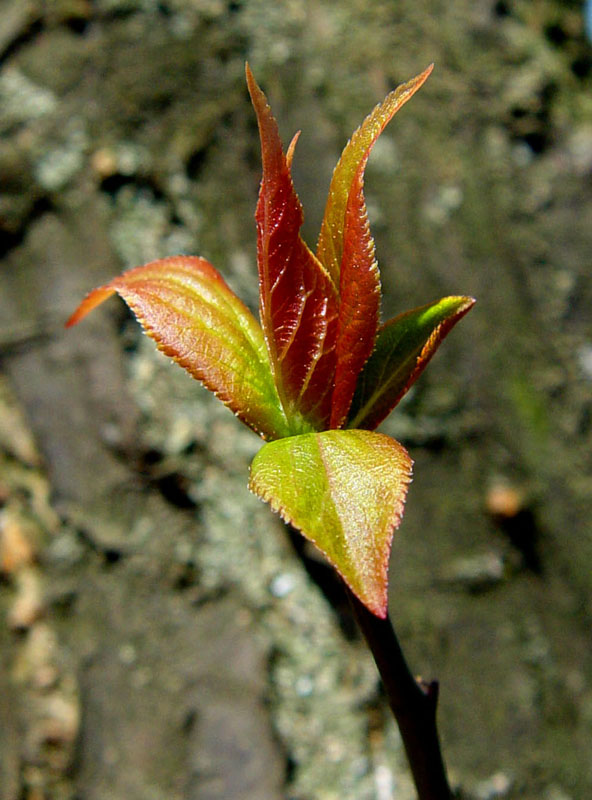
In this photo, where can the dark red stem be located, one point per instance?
(413, 704)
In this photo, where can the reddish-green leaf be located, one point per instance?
(352, 163)
(183, 303)
(298, 301)
(359, 302)
(345, 491)
(404, 346)
(346, 249)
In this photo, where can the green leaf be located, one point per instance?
(404, 346)
(184, 304)
(345, 491)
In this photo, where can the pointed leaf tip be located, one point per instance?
(404, 346)
(91, 301)
(298, 302)
(346, 249)
(350, 168)
(194, 317)
(345, 491)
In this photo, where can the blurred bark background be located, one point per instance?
(160, 635)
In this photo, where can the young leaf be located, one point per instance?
(345, 491)
(184, 304)
(359, 303)
(333, 234)
(404, 345)
(346, 249)
(298, 301)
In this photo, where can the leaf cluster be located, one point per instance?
(318, 373)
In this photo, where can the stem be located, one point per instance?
(412, 702)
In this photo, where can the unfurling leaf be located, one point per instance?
(346, 249)
(404, 345)
(183, 304)
(353, 162)
(359, 304)
(345, 491)
(298, 301)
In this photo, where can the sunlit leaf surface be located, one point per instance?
(345, 491)
(184, 304)
(353, 161)
(404, 346)
(298, 300)
(346, 249)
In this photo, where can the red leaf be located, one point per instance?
(352, 162)
(359, 302)
(298, 300)
(346, 249)
(184, 304)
